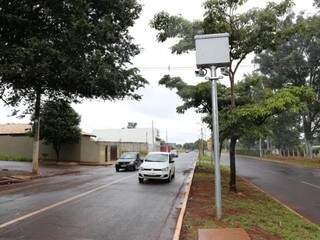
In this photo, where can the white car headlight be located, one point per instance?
(165, 169)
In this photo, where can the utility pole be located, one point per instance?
(152, 136)
(167, 144)
(147, 144)
(202, 142)
(36, 147)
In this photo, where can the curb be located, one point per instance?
(279, 202)
(177, 231)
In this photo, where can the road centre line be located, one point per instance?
(61, 203)
(310, 184)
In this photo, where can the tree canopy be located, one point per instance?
(250, 32)
(297, 62)
(59, 125)
(68, 48)
(71, 49)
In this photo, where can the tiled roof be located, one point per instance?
(14, 128)
(22, 128)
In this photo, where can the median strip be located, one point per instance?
(259, 215)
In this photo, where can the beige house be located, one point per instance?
(15, 141)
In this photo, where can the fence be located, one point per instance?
(288, 153)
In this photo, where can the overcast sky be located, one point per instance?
(158, 103)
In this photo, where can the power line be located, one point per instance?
(170, 67)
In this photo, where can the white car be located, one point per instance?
(157, 165)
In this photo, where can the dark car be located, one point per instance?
(128, 161)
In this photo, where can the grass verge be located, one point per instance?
(298, 161)
(4, 157)
(251, 209)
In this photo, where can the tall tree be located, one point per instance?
(297, 62)
(252, 31)
(59, 125)
(70, 49)
(254, 104)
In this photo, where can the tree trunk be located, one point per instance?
(232, 152)
(57, 150)
(308, 135)
(233, 101)
(233, 141)
(36, 136)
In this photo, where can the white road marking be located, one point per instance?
(312, 185)
(60, 203)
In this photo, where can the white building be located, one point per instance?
(135, 135)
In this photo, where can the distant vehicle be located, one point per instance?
(187, 150)
(157, 165)
(174, 153)
(128, 161)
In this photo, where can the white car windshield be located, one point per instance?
(128, 156)
(157, 158)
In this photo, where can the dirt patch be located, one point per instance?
(13, 176)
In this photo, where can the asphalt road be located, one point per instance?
(95, 204)
(297, 187)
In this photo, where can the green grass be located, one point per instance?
(308, 163)
(4, 157)
(262, 217)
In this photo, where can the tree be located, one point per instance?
(132, 125)
(254, 104)
(188, 146)
(297, 62)
(59, 125)
(316, 3)
(252, 31)
(67, 49)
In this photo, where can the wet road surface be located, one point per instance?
(297, 187)
(95, 204)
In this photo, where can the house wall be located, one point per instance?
(124, 147)
(91, 151)
(68, 152)
(18, 146)
(86, 150)
(22, 146)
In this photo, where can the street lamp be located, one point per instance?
(213, 51)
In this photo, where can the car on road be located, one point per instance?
(157, 165)
(174, 153)
(128, 161)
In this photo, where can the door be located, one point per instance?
(113, 153)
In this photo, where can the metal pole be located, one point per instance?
(216, 144)
(167, 145)
(152, 136)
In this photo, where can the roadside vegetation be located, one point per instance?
(4, 157)
(303, 162)
(294, 160)
(276, 106)
(262, 217)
